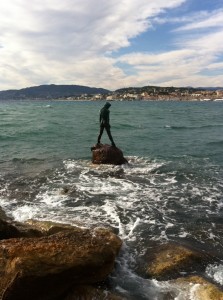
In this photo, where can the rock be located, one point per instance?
(8, 230)
(49, 227)
(202, 289)
(3, 215)
(106, 154)
(11, 229)
(89, 293)
(167, 261)
(48, 267)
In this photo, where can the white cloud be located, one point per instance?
(67, 41)
(198, 52)
(181, 67)
(204, 20)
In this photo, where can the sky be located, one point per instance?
(111, 44)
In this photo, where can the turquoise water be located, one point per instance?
(48, 130)
(170, 190)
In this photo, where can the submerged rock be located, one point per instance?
(47, 267)
(202, 289)
(106, 154)
(89, 292)
(169, 260)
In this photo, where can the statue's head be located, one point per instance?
(107, 104)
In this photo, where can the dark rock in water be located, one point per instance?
(204, 290)
(10, 229)
(88, 292)
(106, 154)
(7, 230)
(169, 260)
(48, 267)
(3, 215)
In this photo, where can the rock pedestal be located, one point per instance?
(106, 154)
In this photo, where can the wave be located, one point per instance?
(192, 127)
(215, 143)
(123, 126)
(29, 160)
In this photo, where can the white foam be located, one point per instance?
(215, 272)
(110, 210)
(25, 212)
(134, 226)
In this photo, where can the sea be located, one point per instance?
(171, 190)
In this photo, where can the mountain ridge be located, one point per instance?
(50, 92)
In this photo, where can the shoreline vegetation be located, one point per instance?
(146, 93)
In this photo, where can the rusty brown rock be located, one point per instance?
(47, 267)
(106, 154)
(168, 260)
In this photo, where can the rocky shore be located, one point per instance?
(46, 260)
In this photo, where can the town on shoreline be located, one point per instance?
(154, 94)
(203, 96)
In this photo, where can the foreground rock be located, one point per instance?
(106, 154)
(169, 260)
(201, 289)
(48, 267)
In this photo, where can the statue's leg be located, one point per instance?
(109, 135)
(100, 134)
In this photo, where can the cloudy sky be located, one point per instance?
(111, 44)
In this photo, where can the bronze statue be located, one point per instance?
(104, 123)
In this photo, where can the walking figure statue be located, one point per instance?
(104, 123)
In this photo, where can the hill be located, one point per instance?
(50, 92)
(161, 89)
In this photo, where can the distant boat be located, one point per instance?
(220, 99)
(206, 99)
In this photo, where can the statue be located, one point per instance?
(106, 154)
(104, 123)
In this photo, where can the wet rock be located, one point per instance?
(3, 215)
(169, 260)
(10, 229)
(49, 227)
(106, 154)
(202, 289)
(89, 293)
(7, 230)
(48, 267)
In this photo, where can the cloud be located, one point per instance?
(187, 65)
(204, 20)
(69, 41)
(196, 60)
